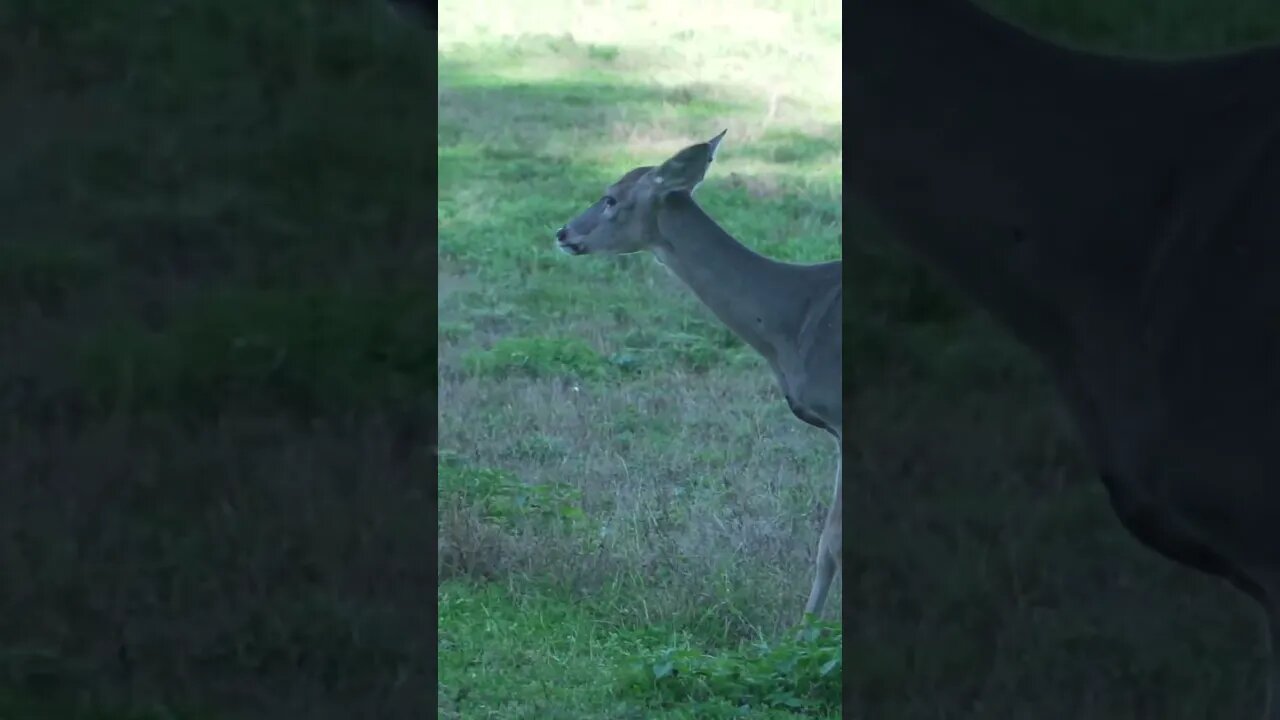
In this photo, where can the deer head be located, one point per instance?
(622, 220)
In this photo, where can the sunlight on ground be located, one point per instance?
(751, 47)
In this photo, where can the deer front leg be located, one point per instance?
(829, 546)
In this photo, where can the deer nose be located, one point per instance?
(562, 233)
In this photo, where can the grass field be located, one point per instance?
(628, 510)
(986, 575)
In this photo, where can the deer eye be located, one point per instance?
(610, 201)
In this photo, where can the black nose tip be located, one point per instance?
(562, 233)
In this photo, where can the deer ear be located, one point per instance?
(684, 170)
(714, 143)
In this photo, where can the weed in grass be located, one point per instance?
(800, 676)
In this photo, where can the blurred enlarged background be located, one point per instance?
(989, 577)
(216, 361)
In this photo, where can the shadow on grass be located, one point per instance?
(517, 157)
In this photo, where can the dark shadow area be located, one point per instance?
(217, 375)
(987, 575)
(506, 120)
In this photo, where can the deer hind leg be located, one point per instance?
(827, 564)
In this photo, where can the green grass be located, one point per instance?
(617, 462)
(520, 652)
(986, 576)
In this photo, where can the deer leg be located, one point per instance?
(827, 564)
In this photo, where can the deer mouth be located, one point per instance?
(571, 247)
(568, 245)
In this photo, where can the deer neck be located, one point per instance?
(755, 297)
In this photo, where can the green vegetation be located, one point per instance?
(628, 511)
(524, 652)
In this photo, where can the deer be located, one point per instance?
(1120, 217)
(791, 314)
